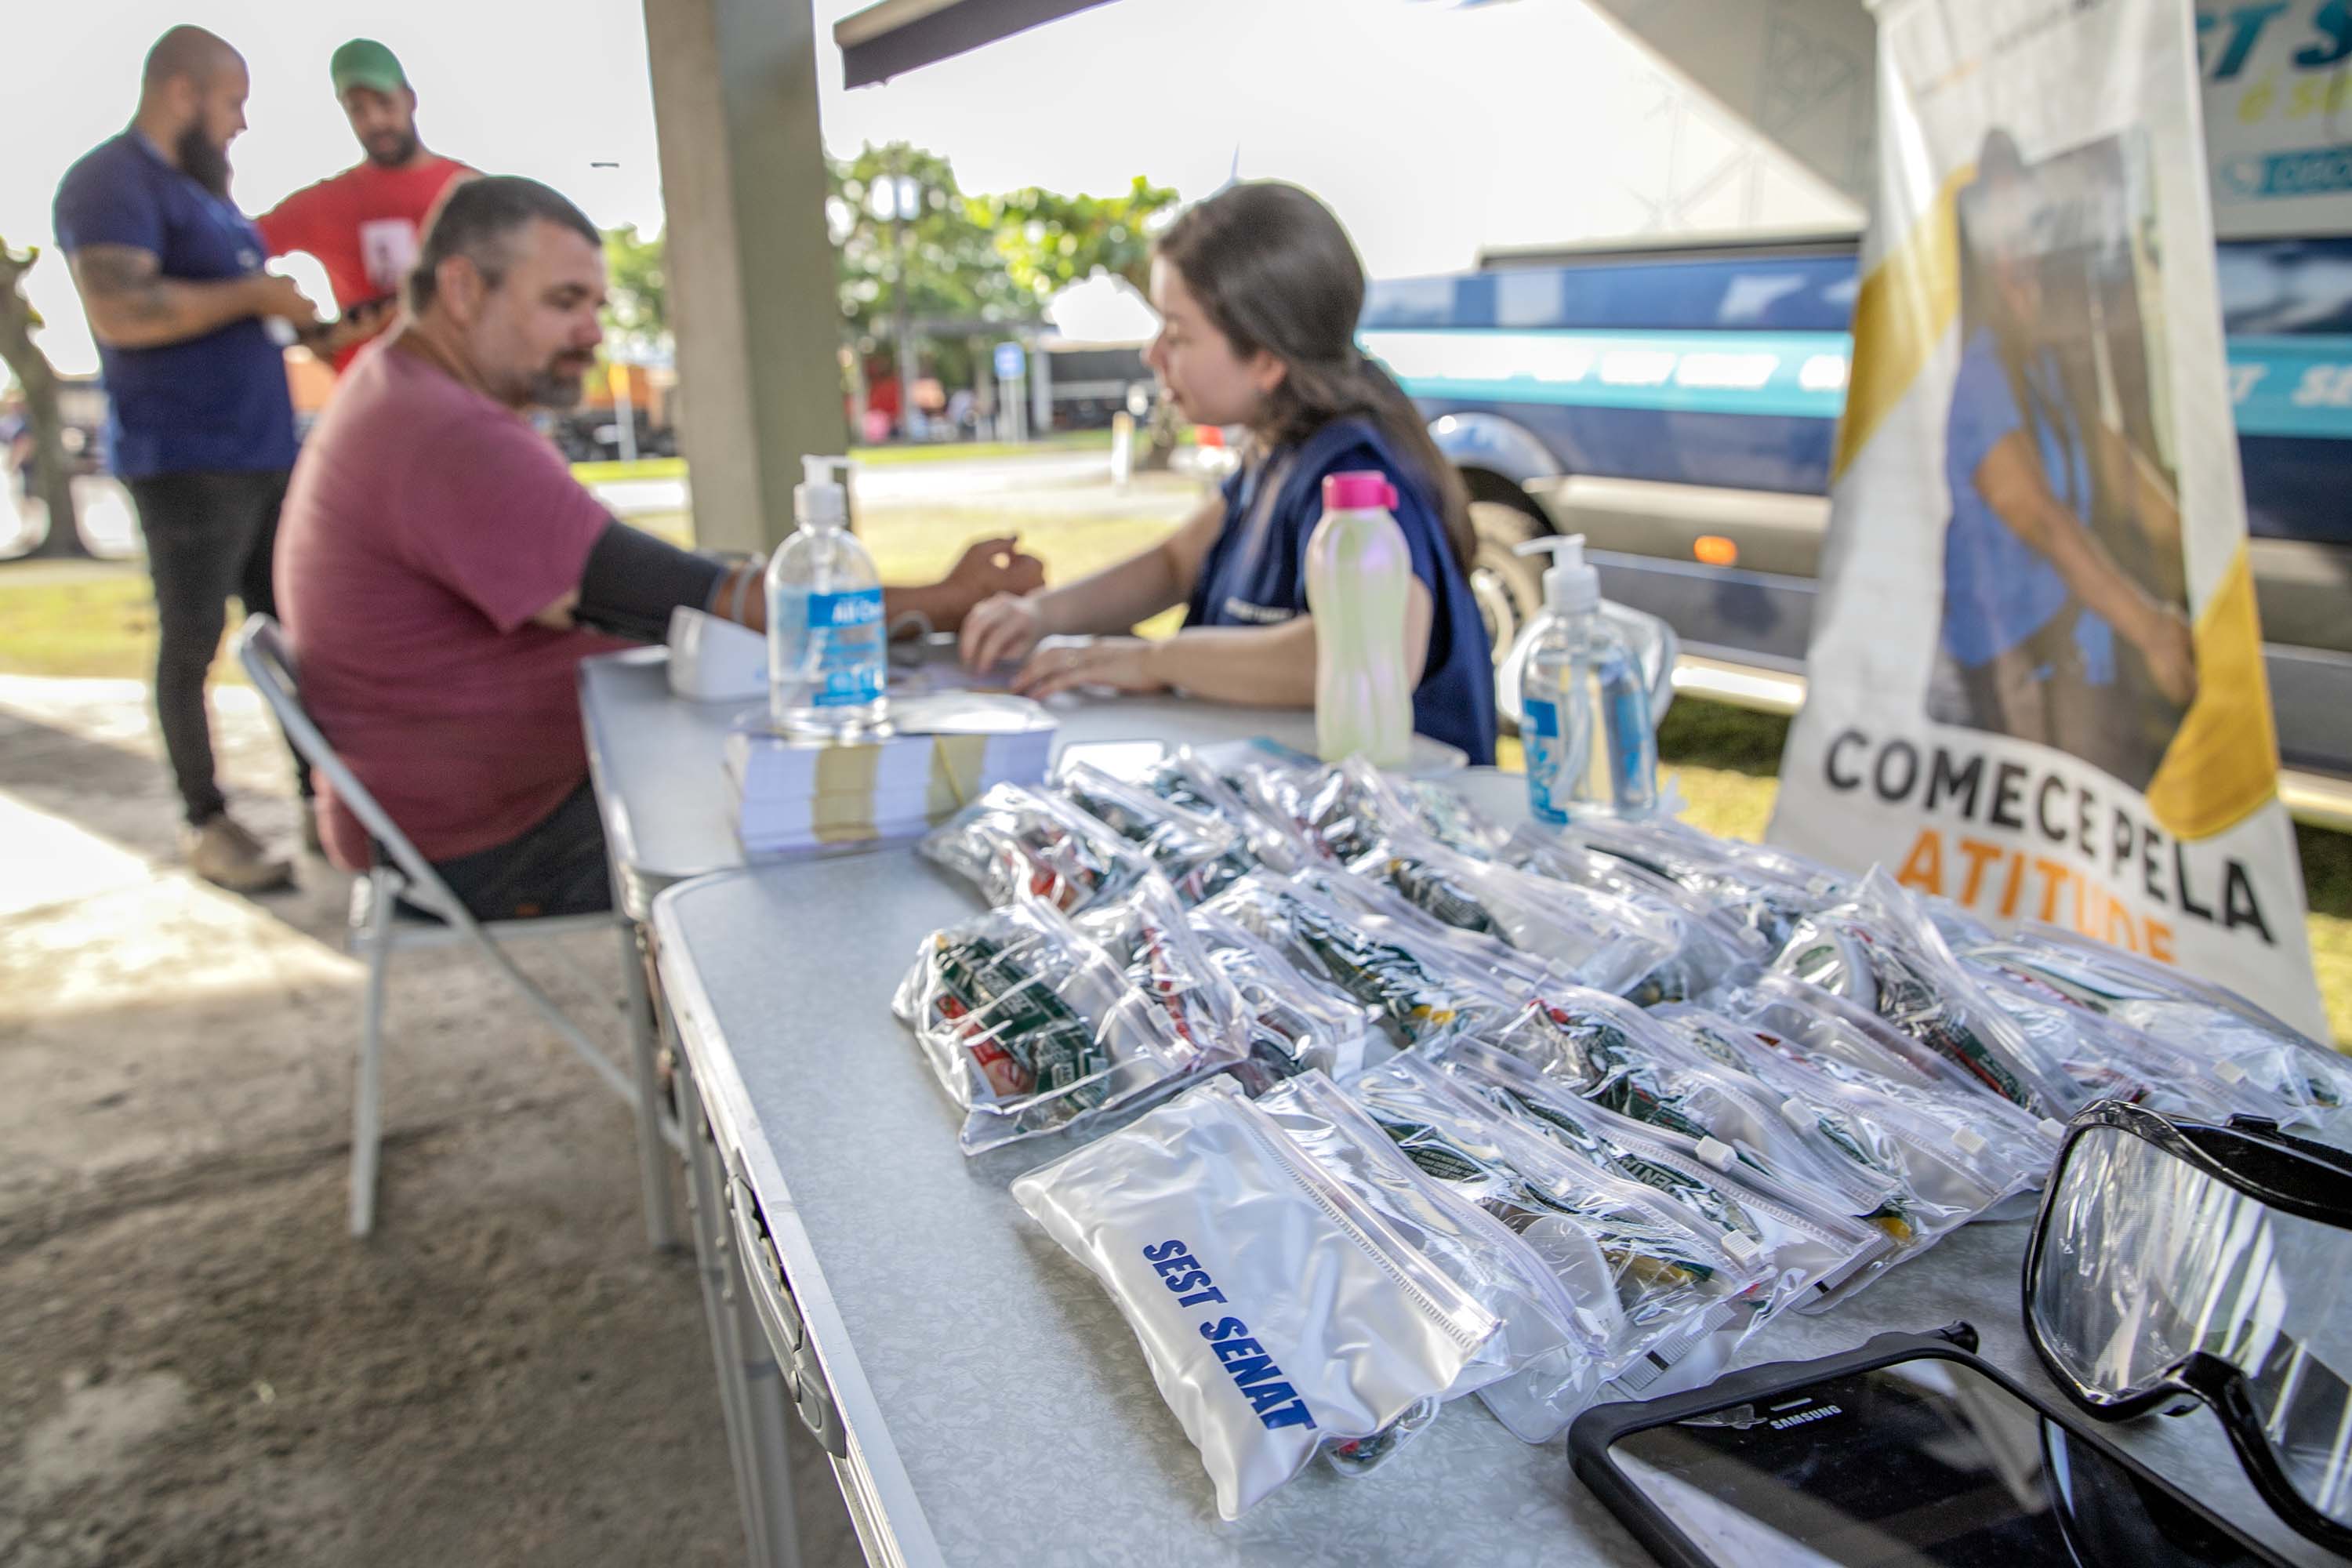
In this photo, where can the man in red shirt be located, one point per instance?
(364, 223)
(439, 569)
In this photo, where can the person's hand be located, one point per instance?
(992, 566)
(282, 298)
(1121, 664)
(1000, 629)
(352, 328)
(2171, 653)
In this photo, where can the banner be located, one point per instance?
(2278, 115)
(2036, 684)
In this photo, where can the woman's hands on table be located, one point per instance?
(1112, 663)
(1000, 629)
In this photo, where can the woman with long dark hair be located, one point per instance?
(1258, 289)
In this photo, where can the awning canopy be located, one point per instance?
(898, 36)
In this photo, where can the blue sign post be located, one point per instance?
(1011, 361)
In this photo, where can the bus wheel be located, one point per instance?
(1508, 587)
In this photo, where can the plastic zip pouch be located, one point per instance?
(1278, 1312)
(2297, 1078)
(1654, 1282)
(1712, 944)
(1411, 986)
(1015, 842)
(1345, 809)
(1851, 1045)
(1766, 890)
(1945, 1172)
(1631, 1065)
(1031, 1027)
(1603, 941)
(1880, 952)
(1373, 904)
(1183, 778)
(1197, 854)
(1815, 1249)
(1295, 1022)
(1549, 1358)
(2106, 1058)
(1169, 967)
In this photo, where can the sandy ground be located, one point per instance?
(197, 1364)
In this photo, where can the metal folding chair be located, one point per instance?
(379, 929)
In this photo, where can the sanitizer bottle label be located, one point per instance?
(850, 666)
(1540, 734)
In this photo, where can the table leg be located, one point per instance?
(707, 1219)
(661, 1229)
(770, 1412)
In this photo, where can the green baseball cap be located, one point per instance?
(363, 62)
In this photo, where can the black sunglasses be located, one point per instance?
(2253, 1158)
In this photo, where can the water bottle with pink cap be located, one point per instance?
(1359, 574)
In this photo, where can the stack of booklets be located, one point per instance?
(935, 755)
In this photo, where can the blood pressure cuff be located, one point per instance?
(633, 581)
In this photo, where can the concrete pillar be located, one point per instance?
(751, 266)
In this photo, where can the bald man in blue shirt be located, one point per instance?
(201, 423)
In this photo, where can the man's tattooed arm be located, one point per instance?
(131, 305)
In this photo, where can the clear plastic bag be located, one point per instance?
(1411, 983)
(1278, 1311)
(1549, 1358)
(1031, 1025)
(1945, 1172)
(1765, 890)
(2296, 1079)
(1197, 853)
(1601, 941)
(1851, 1045)
(1662, 1290)
(1628, 1062)
(1185, 778)
(1879, 950)
(1345, 809)
(1713, 943)
(1171, 967)
(1815, 1251)
(1378, 907)
(1295, 1022)
(1015, 843)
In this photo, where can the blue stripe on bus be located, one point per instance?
(2293, 385)
(1784, 373)
(2281, 386)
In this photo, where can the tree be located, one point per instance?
(637, 307)
(53, 474)
(1050, 241)
(942, 264)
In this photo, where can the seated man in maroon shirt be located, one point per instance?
(440, 571)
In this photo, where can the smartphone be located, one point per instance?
(1910, 1453)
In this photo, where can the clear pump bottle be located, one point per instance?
(1591, 749)
(827, 655)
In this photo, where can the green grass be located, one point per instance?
(643, 468)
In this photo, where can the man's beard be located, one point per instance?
(400, 151)
(201, 161)
(558, 387)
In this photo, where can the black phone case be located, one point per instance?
(1590, 1438)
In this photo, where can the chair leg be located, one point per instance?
(367, 1106)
